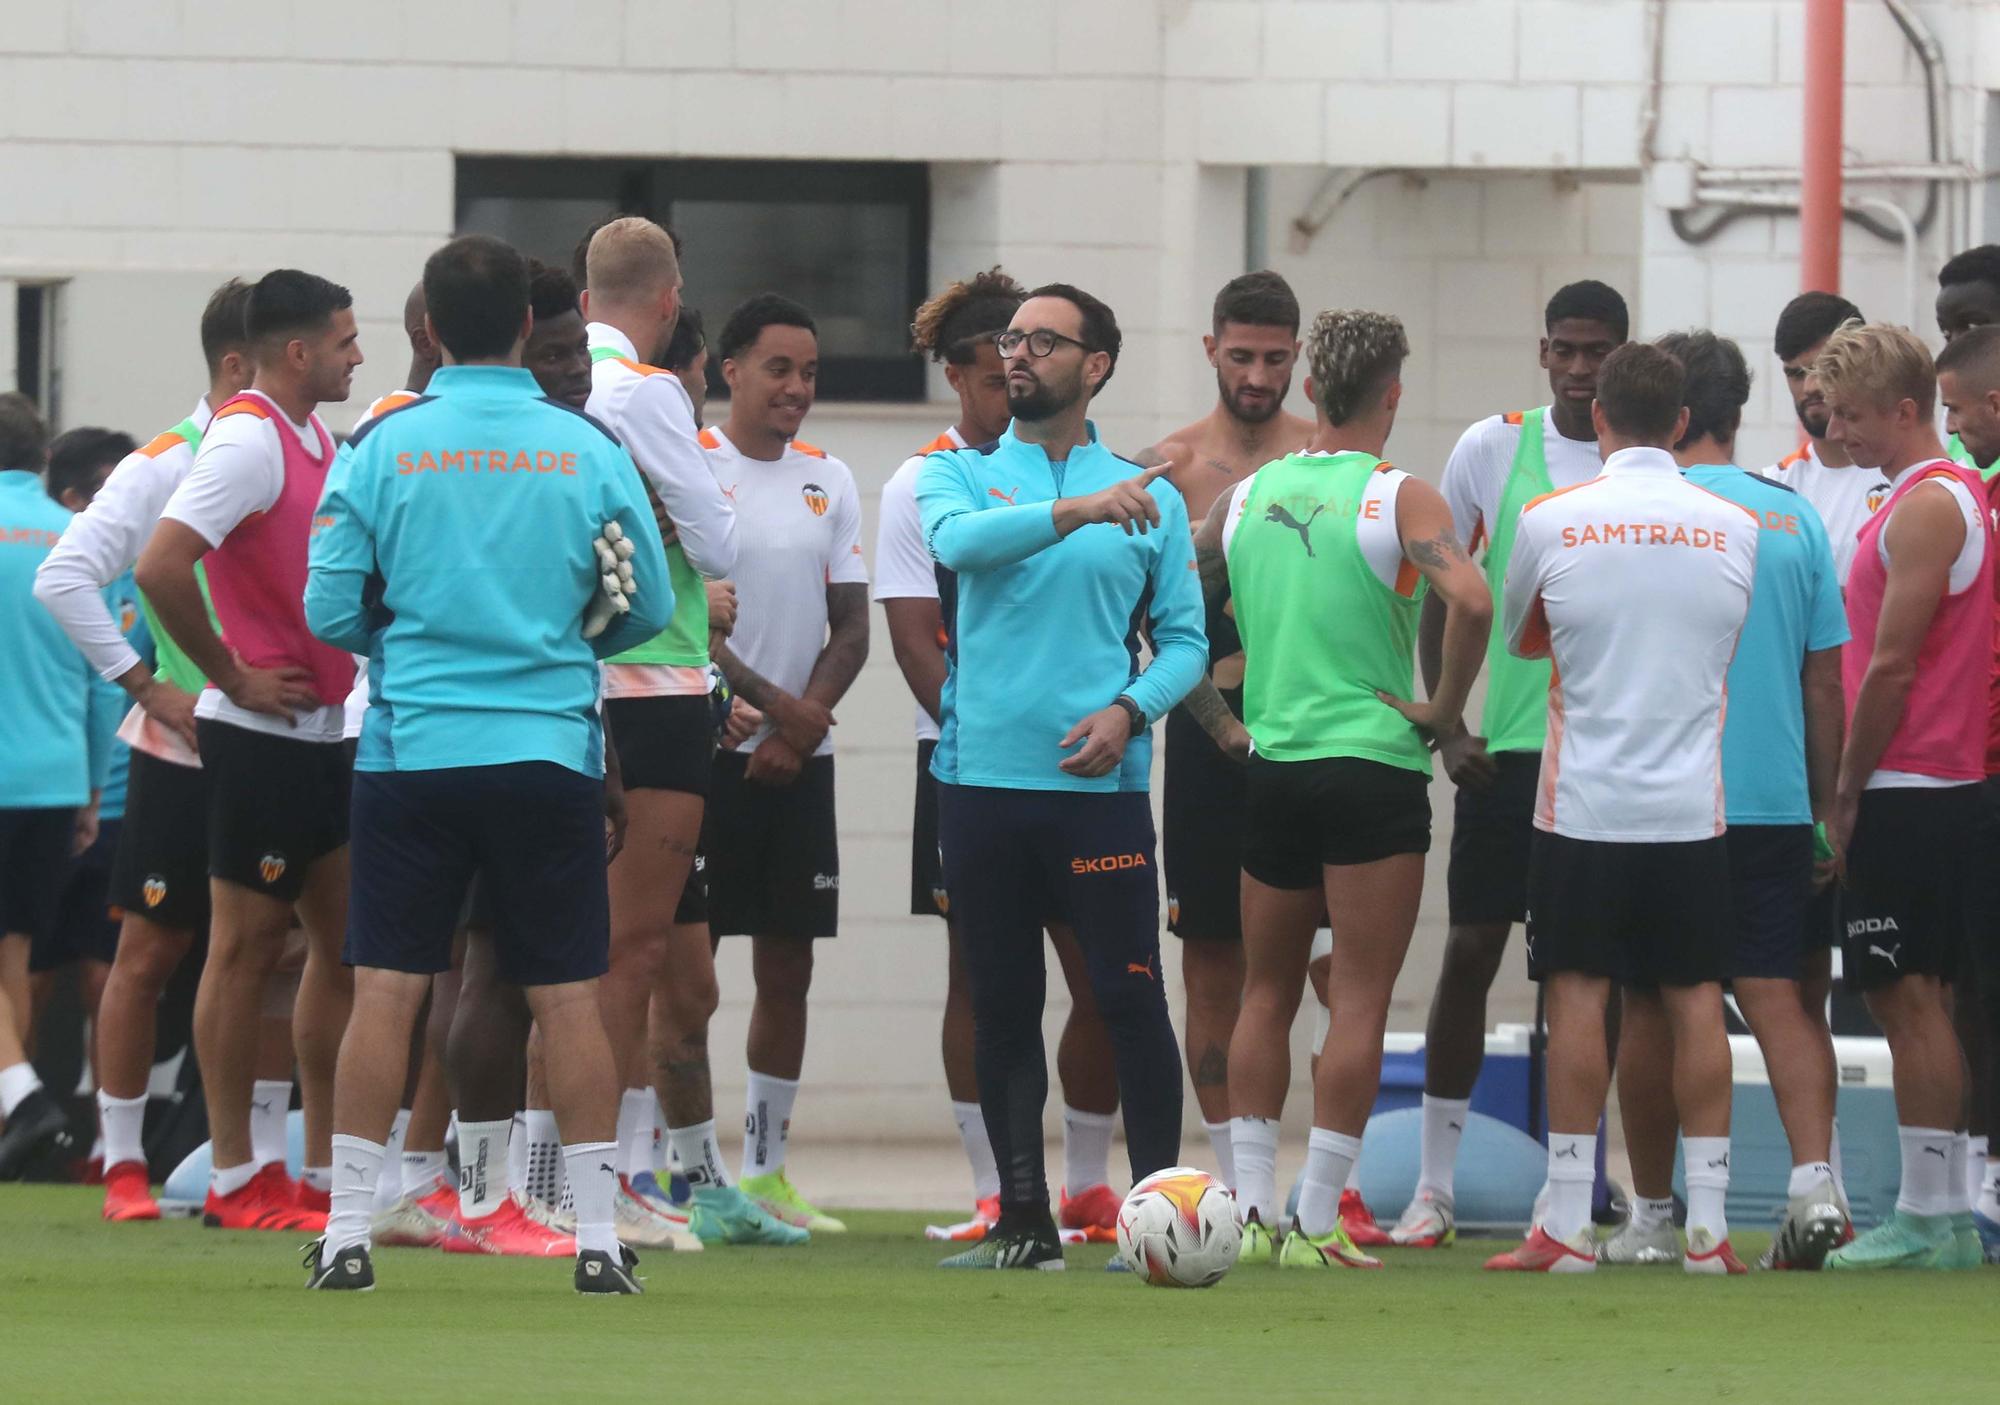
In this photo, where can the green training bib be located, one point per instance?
(1321, 632)
(170, 661)
(1517, 690)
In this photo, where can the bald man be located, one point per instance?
(656, 701)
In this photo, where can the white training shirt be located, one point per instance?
(904, 568)
(101, 544)
(801, 533)
(1637, 585)
(1475, 476)
(1963, 575)
(1377, 534)
(1844, 498)
(239, 472)
(648, 408)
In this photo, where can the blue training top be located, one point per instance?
(1045, 630)
(1795, 609)
(453, 546)
(52, 753)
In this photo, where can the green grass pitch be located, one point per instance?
(173, 1312)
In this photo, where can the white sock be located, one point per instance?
(545, 1161)
(699, 1153)
(227, 1180)
(663, 1156)
(1353, 1176)
(638, 1109)
(1572, 1169)
(978, 1149)
(270, 1107)
(592, 1174)
(1926, 1171)
(421, 1171)
(1989, 1192)
(1975, 1169)
(482, 1167)
(1086, 1149)
(1444, 1125)
(1707, 1160)
(517, 1157)
(1961, 1158)
(1806, 1175)
(124, 1122)
(1253, 1143)
(16, 1082)
(356, 1164)
(1329, 1157)
(389, 1181)
(767, 1122)
(1219, 1145)
(1833, 1160)
(1651, 1214)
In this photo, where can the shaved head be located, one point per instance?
(1973, 357)
(413, 310)
(631, 260)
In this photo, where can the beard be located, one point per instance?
(1041, 401)
(1258, 412)
(1813, 418)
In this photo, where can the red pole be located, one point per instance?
(1819, 184)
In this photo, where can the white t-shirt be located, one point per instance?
(1637, 585)
(904, 569)
(1475, 476)
(1963, 574)
(240, 471)
(102, 543)
(801, 532)
(1844, 498)
(1376, 533)
(649, 410)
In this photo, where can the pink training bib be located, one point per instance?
(257, 577)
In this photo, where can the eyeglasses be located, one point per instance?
(1040, 342)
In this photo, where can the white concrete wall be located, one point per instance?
(149, 148)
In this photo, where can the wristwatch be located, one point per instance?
(1132, 710)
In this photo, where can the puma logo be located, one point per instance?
(1938, 1152)
(1892, 955)
(1007, 498)
(1278, 513)
(1568, 1153)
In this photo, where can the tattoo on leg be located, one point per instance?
(1211, 1070)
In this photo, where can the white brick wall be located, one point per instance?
(149, 147)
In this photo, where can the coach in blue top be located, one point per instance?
(457, 545)
(1780, 754)
(1054, 555)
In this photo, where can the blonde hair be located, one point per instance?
(630, 259)
(1352, 356)
(1879, 363)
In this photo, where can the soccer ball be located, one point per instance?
(1178, 1229)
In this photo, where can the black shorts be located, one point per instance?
(928, 897)
(1491, 835)
(1770, 891)
(1201, 833)
(773, 853)
(1301, 817)
(420, 836)
(1911, 895)
(692, 909)
(86, 924)
(1642, 914)
(276, 806)
(161, 868)
(34, 863)
(663, 743)
(1986, 927)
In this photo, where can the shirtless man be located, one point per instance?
(1253, 348)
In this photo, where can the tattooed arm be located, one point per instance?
(1431, 545)
(1204, 702)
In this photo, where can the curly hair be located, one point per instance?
(947, 327)
(1353, 355)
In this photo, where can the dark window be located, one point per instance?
(36, 374)
(848, 239)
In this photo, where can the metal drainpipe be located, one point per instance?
(1256, 218)
(1819, 183)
